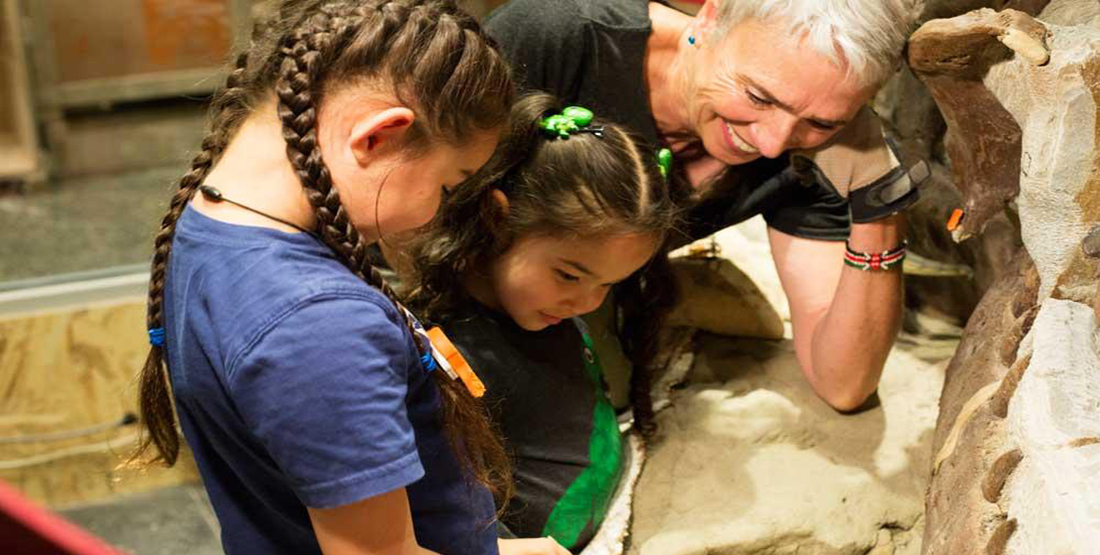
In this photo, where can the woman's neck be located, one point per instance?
(254, 171)
(667, 70)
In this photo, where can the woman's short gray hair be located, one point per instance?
(868, 35)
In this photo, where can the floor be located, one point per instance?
(102, 205)
(82, 224)
(170, 521)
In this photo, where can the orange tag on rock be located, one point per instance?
(955, 219)
(456, 362)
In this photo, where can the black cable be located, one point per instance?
(126, 420)
(212, 194)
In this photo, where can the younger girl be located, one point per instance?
(303, 391)
(576, 209)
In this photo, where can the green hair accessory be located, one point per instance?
(573, 119)
(664, 161)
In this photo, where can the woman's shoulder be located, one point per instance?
(563, 19)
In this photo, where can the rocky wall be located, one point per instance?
(1017, 442)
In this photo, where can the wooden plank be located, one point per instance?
(107, 91)
(137, 37)
(175, 48)
(18, 141)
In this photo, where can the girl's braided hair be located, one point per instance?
(583, 186)
(435, 59)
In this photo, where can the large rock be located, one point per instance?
(1026, 483)
(1056, 105)
(1054, 493)
(729, 285)
(749, 460)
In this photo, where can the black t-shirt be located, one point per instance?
(591, 53)
(553, 410)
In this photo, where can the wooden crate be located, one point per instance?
(19, 159)
(87, 55)
(98, 54)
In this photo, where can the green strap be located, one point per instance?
(587, 498)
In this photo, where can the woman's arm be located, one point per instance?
(844, 319)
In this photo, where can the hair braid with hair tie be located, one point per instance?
(155, 403)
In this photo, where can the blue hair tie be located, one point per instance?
(428, 361)
(156, 337)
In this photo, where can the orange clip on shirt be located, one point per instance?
(457, 362)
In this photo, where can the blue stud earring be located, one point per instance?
(691, 39)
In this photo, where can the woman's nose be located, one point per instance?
(773, 136)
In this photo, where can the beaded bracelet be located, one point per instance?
(867, 261)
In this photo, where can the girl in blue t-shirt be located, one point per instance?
(307, 395)
(576, 209)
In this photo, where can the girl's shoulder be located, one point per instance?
(240, 287)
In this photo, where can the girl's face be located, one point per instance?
(540, 281)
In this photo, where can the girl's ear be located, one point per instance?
(501, 202)
(379, 130)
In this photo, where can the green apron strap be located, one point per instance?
(586, 500)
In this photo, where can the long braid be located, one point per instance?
(298, 112)
(305, 55)
(227, 109)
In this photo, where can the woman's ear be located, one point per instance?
(379, 131)
(706, 19)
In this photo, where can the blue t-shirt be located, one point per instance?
(299, 385)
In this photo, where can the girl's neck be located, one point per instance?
(478, 284)
(667, 70)
(255, 172)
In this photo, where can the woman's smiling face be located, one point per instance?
(760, 91)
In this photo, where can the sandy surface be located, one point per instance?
(749, 460)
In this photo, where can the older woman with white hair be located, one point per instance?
(764, 103)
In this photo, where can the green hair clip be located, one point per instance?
(573, 119)
(664, 161)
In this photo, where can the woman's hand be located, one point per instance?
(531, 546)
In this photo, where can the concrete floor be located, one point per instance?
(170, 521)
(111, 183)
(83, 224)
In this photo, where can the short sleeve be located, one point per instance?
(547, 44)
(811, 212)
(323, 389)
(771, 188)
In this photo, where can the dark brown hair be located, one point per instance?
(582, 186)
(433, 58)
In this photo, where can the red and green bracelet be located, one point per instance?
(867, 261)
